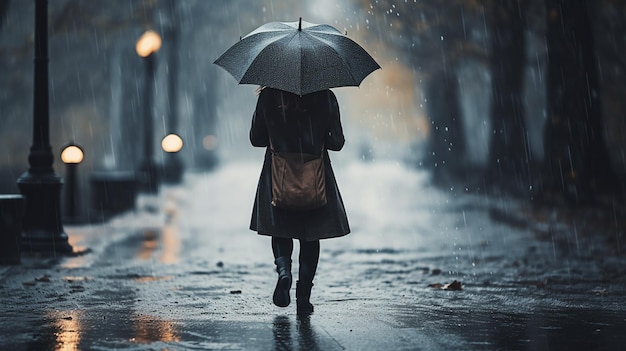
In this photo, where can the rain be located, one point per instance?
(483, 178)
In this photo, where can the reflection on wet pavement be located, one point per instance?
(170, 247)
(151, 278)
(542, 328)
(306, 338)
(68, 330)
(150, 244)
(164, 243)
(282, 333)
(77, 330)
(151, 329)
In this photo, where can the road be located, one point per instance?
(423, 269)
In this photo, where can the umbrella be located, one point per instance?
(298, 57)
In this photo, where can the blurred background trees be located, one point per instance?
(564, 51)
(520, 97)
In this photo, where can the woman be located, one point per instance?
(307, 124)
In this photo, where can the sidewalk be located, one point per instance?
(183, 272)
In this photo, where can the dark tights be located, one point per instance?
(309, 255)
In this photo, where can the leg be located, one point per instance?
(309, 257)
(282, 248)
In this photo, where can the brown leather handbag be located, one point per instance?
(298, 181)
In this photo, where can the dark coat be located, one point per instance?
(298, 124)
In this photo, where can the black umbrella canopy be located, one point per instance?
(299, 57)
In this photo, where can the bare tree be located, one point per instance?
(577, 168)
(509, 163)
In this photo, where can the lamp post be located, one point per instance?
(71, 155)
(173, 167)
(42, 226)
(147, 45)
(172, 143)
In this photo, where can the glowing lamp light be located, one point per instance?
(209, 142)
(72, 154)
(172, 143)
(149, 42)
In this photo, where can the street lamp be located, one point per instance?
(172, 143)
(71, 155)
(173, 166)
(42, 225)
(147, 45)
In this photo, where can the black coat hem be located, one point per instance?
(317, 237)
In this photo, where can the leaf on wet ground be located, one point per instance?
(76, 279)
(43, 279)
(455, 285)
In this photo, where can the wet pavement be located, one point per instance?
(423, 269)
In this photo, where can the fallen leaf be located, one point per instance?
(455, 285)
(44, 279)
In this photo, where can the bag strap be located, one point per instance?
(274, 151)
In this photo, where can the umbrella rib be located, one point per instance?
(271, 45)
(331, 44)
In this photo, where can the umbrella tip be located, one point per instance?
(300, 24)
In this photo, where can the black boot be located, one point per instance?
(303, 295)
(283, 285)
